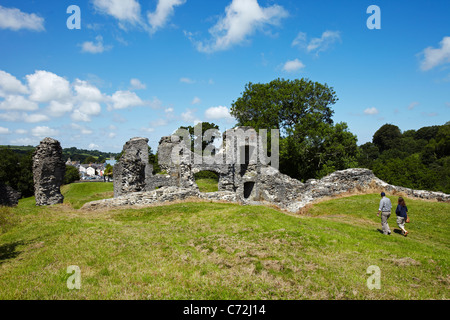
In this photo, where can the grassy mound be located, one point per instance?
(222, 251)
(77, 194)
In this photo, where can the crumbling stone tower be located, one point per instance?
(131, 171)
(48, 172)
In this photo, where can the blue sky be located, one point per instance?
(145, 67)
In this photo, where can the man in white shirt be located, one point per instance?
(385, 210)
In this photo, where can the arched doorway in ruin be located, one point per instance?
(207, 181)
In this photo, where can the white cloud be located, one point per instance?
(218, 113)
(10, 84)
(169, 110)
(371, 111)
(11, 116)
(14, 19)
(57, 109)
(42, 132)
(13, 102)
(21, 131)
(187, 80)
(300, 40)
(123, 10)
(4, 130)
(164, 10)
(293, 65)
(196, 100)
(112, 135)
(87, 92)
(159, 123)
(95, 47)
(148, 130)
(242, 18)
(46, 86)
(317, 45)
(434, 57)
(190, 117)
(413, 105)
(136, 84)
(93, 146)
(24, 142)
(90, 108)
(24, 117)
(82, 129)
(125, 99)
(34, 118)
(77, 115)
(430, 114)
(112, 127)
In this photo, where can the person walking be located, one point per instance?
(385, 211)
(402, 215)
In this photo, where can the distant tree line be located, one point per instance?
(86, 156)
(418, 159)
(16, 170)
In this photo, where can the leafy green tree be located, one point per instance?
(443, 141)
(386, 137)
(195, 140)
(25, 182)
(426, 133)
(310, 146)
(72, 174)
(108, 170)
(369, 152)
(9, 167)
(16, 171)
(284, 104)
(90, 159)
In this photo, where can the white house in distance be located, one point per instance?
(90, 171)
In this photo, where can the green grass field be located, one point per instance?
(220, 251)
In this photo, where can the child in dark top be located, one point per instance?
(402, 215)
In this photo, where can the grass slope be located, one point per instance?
(221, 251)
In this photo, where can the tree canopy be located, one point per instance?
(195, 140)
(418, 159)
(311, 145)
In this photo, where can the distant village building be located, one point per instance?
(92, 170)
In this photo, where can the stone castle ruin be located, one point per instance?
(48, 172)
(245, 177)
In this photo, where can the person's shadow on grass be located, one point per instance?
(398, 231)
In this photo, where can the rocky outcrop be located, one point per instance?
(48, 172)
(131, 171)
(8, 196)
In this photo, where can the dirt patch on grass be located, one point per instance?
(404, 262)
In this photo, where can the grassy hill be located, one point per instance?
(221, 251)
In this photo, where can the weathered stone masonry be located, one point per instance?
(48, 172)
(248, 183)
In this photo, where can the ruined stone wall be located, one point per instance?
(246, 183)
(48, 172)
(132, 169)
(8, 196)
